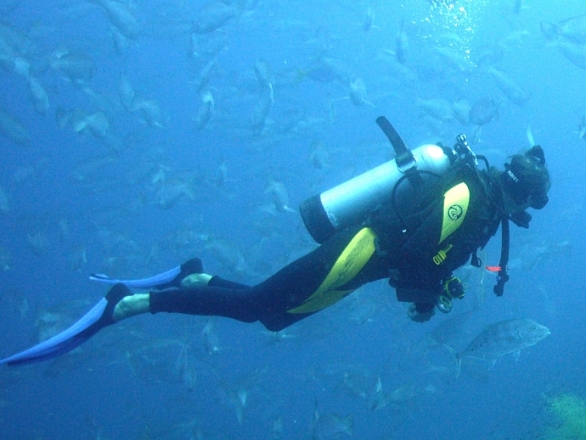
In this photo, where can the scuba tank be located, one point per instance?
(351, 202)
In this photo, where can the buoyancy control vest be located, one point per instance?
(353, 202)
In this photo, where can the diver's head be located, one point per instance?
(526, 180)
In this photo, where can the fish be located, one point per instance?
(76, 67)
(327, 70)
(96, 124)
(357, 93)
(368, 19)
(328, 426)
(510, 88)
(457, 60)
(529, 136)
(149, 112)
(318, 155)
(279, 195)
(380, 399)
(518, 6)
(439, 109)
(573, 29)
(263, 73)
(206, 108)
(210, 339)
(38, 96)
(401, 44)
(126, 93)
(575, 53)
(204, 76)
(500, 339)
(13, 129)
(184, 368)
(461, 111)
(120, 17)
(170, 192)
(213, 16)
(15, 302)
(483, 111)
(262, 109)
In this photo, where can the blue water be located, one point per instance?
(143, 198)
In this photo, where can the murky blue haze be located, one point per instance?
(116, 165)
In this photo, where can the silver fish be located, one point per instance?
(38, 95)
(575, 53)
(509, 87)
(329, 426)
(206, 109)
(573, 29)
(401, 44)
(120, 17)
(483, 111)
(213, 16)
(262, 109)
(13, 129)
(502, 338)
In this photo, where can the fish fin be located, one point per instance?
(516, 355)
(476, 133)
(491, 363)
(530, 136)
(457, 358)
(550, 30)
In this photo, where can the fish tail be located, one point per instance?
(550, 30)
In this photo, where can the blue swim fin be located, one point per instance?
(97, 318)
(170, 278)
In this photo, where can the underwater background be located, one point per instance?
(138, 134)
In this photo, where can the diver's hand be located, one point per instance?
(420, 314)
(453, 288)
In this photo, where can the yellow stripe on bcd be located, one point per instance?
(456, 202)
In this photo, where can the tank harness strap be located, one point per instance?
(404, 157)
(503, 273)
(350, 262)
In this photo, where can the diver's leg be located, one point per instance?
(239, 303)
(274, 301)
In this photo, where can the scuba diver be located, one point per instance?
(413, 220)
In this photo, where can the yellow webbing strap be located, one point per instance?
(456, 201)
(350, 262)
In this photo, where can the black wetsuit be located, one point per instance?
(406, 250)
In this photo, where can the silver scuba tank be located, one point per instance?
(351, 202)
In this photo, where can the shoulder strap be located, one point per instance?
(404, 157)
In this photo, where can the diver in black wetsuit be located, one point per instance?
(446, 221)
(417, 266)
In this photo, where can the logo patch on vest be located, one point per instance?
(455, 212)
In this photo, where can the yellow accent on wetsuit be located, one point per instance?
(456, 201)
(350, 262)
